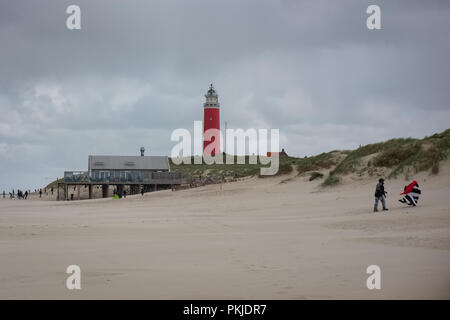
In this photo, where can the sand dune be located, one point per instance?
(255, 239)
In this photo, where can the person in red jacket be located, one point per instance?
(411, 192)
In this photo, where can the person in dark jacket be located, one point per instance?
(380, 195)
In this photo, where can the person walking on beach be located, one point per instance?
(380, 195)
(26, 194)
(411, 194)
(142, 191)
(124, 193)
(3, 194)
(40, 193)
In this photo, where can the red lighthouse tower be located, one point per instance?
(211, 111)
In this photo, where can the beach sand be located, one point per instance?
(256, 239)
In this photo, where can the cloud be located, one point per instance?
(138, 70)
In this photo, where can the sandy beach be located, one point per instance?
(272, 238)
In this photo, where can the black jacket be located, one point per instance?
(379, 191)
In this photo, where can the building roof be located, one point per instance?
(128, 163)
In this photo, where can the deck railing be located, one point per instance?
(124, 177)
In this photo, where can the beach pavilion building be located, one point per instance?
(138, 172)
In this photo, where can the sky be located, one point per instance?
(139, 69)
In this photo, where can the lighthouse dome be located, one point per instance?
(211, 91)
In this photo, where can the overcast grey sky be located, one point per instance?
(138, 69)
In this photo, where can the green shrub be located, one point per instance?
(331, 180)
(284, 168)
(315, 175)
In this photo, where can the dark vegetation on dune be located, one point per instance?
(315, 175)
(399, 156)
(321, 161)
(217, 171)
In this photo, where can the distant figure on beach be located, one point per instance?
(26, 194)
(411, 192)
(3, 194)
(380, 195)
(124, 193)
(142, 190)
(51, 190)
(40, 193)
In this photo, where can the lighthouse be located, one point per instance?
(211, 120)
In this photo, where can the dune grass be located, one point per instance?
(234, 170)
(318, 162)
(331, 180)
(397, 155)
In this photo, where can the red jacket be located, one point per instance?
(409, 187)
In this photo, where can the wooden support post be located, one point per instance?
(120, 190)
(105, 188)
